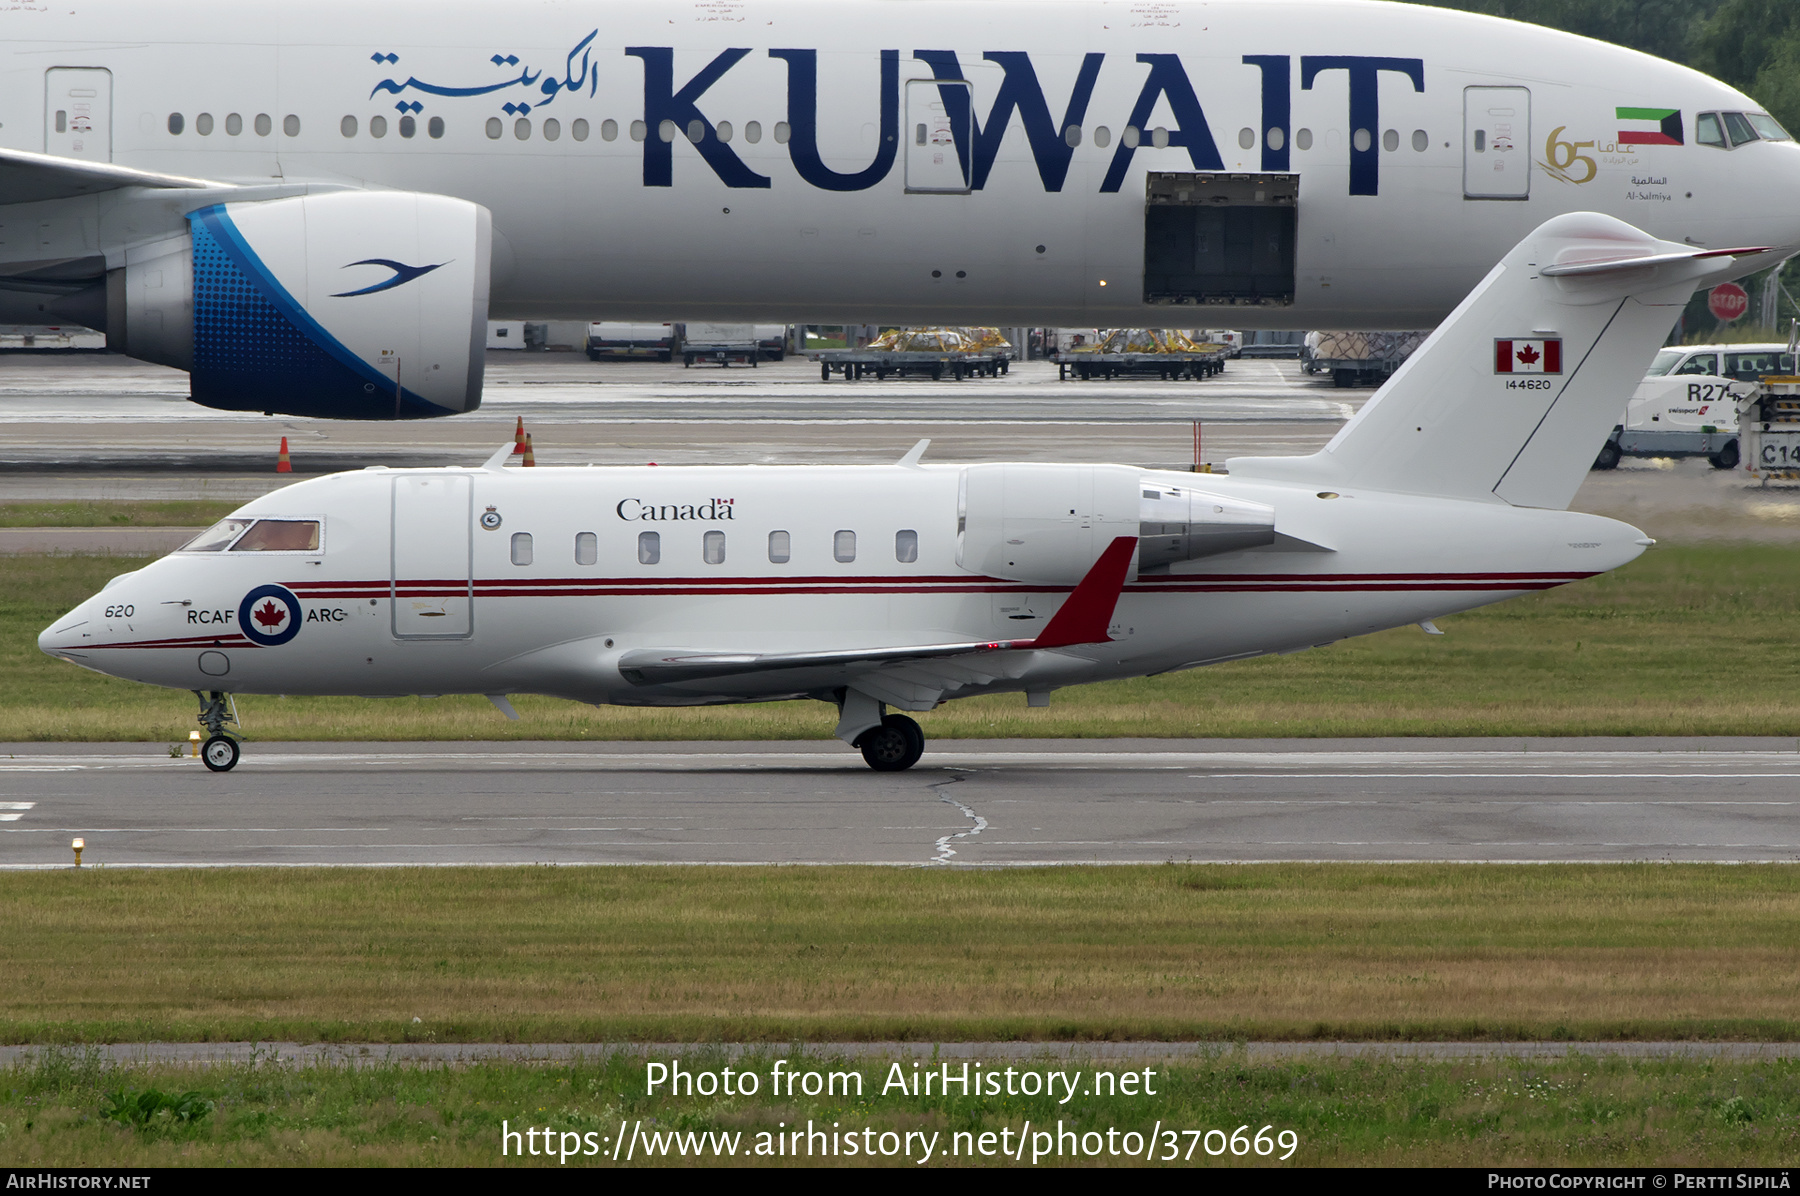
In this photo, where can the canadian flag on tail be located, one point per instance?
(1542, 356)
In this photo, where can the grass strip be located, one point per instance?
(696, 954)
(116, 513)
(1684, 641)
(1574, 1111)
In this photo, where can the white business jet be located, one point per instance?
(313, 205)
(910, 584)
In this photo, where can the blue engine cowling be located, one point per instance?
(345, 305)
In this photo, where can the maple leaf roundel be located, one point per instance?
(270, 615)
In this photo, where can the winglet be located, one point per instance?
(914, 453)
(498, 460)
(1088, 612)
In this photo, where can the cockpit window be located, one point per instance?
(1738, 127)
(1665, 361)
(217, 537)
(1767, 126)
(1708, 130)
(280, 535)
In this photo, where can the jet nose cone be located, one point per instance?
(63, 634)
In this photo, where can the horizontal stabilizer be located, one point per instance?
(1513, 395)
(26, 177)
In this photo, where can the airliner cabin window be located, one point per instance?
(521, 548)
(843, 547)
(781, 549)
(712, 548)
(280, 535)
(587, 548)
(649, 548)
(906, 546)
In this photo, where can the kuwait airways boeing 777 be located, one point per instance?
(910, 584)
(313, 205)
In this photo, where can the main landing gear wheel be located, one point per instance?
(894, 746)
(220, 753)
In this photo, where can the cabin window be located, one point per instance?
(280, 535)
(1390, 140)
(522, 129)
(722, 130)
(1072, 135)
(494, 128)
(1102, 136)
(234, 125)
(1360, 141)
(906, 546)
(408, 126)
(609, 130)
(665, 132)
(216, 537)
(264, 126)
(587, 548)
(1302, 139)
(696, 130)
(1738, 128)
(753, 132)
(781, 548)
(781, 132)
(1421, 140)
(712, 548)
(649, 548)
(177, 123)
(1275, 138)
(638, 130)
(843, 547)
(521, 548)
(290, 125)
(578, 129)
(347, 126)
(203, 124)
(1130, 137)
(552, 129)
(435, 127)
(1246, 138)
(378, 126)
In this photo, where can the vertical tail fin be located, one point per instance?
(1515, 392)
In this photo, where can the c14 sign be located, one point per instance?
(1727, 302)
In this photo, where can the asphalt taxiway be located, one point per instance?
(969, 803)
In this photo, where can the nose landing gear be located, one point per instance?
(218, 714)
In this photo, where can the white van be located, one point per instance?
(1687, 405)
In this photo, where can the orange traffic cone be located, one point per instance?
(529, 459)
(519, 437)
(282, 464)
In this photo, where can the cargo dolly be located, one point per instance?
(1170, 367)
(853, 365)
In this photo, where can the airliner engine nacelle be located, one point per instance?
(345, 305)
(1047, 524)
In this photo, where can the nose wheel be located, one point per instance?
(220, 753)
(218, 714)
(894, 746)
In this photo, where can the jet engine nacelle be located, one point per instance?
(346, 305)
(1047, 524)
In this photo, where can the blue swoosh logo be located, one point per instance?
(403, 274)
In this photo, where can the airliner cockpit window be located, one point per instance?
(1665, 361)
(1708, 131)
(216, 537)
(1739, 128)
(1766, 125)
(280, 535)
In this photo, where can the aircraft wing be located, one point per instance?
(1082, 619)
(26, 177)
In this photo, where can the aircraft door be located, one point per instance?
(78, 113)
(432, 587)
(1496, 142)
(939, 116)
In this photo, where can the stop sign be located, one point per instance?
(1727, 302)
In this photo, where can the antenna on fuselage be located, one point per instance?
(498, 460)
(913, 454)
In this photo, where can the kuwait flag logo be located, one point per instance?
(1649, 126)
(1528, 357)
